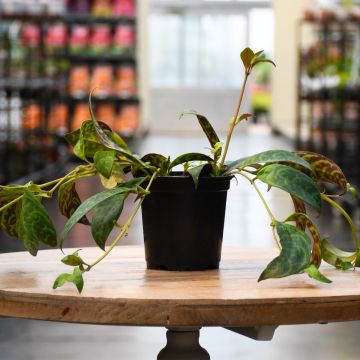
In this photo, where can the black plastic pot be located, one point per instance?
(183, 226)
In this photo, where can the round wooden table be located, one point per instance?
(122, 291)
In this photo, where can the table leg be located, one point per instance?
(183, 344)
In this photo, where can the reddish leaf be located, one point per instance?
(69, 201)
(325, 169)
(316, 247)
(299, 207)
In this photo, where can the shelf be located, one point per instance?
(347, 93)
(35, 84)
(68, 18)
(125, 57)
(106, 99)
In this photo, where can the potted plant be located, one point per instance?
(183, 212)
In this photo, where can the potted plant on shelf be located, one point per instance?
(183, 212)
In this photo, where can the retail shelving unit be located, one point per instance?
(328, 118)
(45, 80)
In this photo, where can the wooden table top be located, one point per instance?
(122, 291)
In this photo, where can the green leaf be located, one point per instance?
(104, 162)
(73, 260)
(292, 181)
(72, 137)
(268, 157)
(86, 206)
(294, 256)
(106, 214)
(314, 273)
(110, 143)
(69, 200)
(34, 224)
(334, 256)
(351, 190)
(76, 278)
(247, 56)
(189, 157)
(195, 173)
(325, 169)
(205, 125)
(357, 260)
(303, 219)
(343, 265)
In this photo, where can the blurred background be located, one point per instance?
(149, 60)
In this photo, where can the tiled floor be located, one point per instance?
(35, 340)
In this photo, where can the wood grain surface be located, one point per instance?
(122, 291)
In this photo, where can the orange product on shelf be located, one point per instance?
(57, 120)
(124, 38)
(128, 120)
(32, 116)
(125, 81)
(101, 80)
(124, 8)
(102, 8)
(79, 80)
(81, 114)
(106, 113)
(101, 38)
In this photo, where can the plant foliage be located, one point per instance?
(301, 174)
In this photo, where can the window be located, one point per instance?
(200, 48)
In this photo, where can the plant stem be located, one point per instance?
(346, 216)
(272, 217)
(89, 168)
(12, 202)
(233, 122)
(125, 227)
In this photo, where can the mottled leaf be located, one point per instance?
(314, 273)
(294, 256)
(299, 207)
(106, 214)
(303, 219)
(334, 256)
(76, 278)
(195, 173)
(111, 144)
(73, 259)
(325, 169)
(72, 137)
(205, 125)
(69, 200)
(292, 181)
(9, 218)
(34, 224)
(189, 157)
(154, 159)
(104, 162)
(268, 157)
(90, 203)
